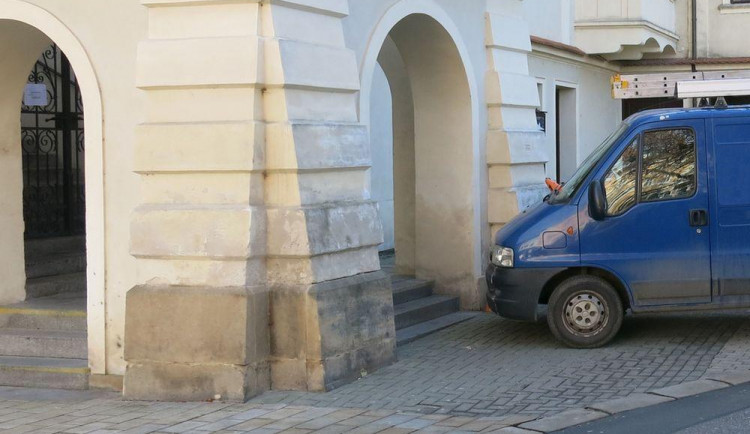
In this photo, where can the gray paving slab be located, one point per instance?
(689, 388)
(733, 378)
(563, 420)
(636, 400)
(488, 366)
(474, 376)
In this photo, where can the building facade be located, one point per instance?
(247, 161)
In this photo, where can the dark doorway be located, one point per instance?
(52, 142)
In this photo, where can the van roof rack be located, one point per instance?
(681, 85)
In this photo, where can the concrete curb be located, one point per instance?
(571, 418)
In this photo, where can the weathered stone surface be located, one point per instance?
(235, 231)
(196, 325)
(192, 343)
(187, 382)
(690, 388)
(733, 378)
(636, 400)
(320, 268)
(327, 334)
(562, 420)
(324, 229)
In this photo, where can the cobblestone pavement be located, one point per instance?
(480, 375)
(81, 413)
(488, 366)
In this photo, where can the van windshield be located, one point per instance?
(580, 175)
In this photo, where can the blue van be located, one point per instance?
(656, 219)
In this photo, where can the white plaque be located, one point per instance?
(35, 94)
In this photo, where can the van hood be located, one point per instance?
(530, 234)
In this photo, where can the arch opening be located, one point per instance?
(422, 140)
(52, 242)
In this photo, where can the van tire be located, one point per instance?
(585, 312)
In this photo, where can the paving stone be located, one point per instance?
(489, 366)
(690, 388)
(733, 378)
(563, 420)
(513, 430)
(631, 402)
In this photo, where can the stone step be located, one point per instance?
(55, 264)
(42, 319)
(51, 285)
(412, 333)
(47, 246)
(424, 309)
(44, 372)
(43, 343)
(411, 289)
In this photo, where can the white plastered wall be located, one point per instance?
(381, 151)
(366, 29)
(99, 39)
(597, 114)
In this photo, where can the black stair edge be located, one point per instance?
(412, 333)
(424, 309)
(421, 303)
(413, 291)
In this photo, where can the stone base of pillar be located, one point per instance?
(196, 344)
(327, 334)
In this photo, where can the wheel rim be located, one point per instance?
(585, 314)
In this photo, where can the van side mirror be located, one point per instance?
(597, 201)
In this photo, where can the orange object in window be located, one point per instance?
(552, 185)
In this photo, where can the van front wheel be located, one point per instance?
(585, 312)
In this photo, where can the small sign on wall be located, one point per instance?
(35, 95)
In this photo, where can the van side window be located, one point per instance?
(620, 181)
(668, 165)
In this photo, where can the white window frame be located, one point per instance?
(727, 7)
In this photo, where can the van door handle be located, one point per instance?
(698, 217)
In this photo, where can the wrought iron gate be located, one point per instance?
(52, 143)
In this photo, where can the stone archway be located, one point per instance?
(25, 30)
(436, 229)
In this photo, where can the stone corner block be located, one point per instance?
(733, 378)
(631, 402)
(193, 343)
(174, 324)
(566, 419)
(327, 334)
(689, 389)
(154, 381)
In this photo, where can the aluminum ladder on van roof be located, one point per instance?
(681, 85)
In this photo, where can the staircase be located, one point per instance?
(43, 343)
(419, 312)
(43, 340)
(55, 266)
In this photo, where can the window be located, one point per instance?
(620, 181)
(668, 165)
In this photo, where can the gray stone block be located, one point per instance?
(156, 381)
(44, 372)
(326, 334)
(514, 430)
(193, 343)
(566, 419)
(196, 325)
(43, 343)
(636, 400)
(690, 388)
(733, 378)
